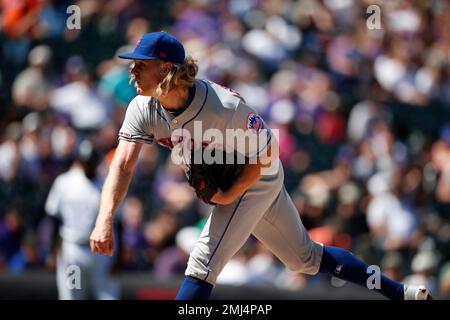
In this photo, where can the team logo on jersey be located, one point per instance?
(254, 122)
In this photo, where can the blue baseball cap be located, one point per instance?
(157, 45)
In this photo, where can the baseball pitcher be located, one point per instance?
(171, 106)
(73, 201)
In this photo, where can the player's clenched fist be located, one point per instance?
(102, 238)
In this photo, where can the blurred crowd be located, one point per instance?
(363, 117)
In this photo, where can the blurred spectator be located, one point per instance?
(263, 267)
(331, 234)
(134, 244)
(115, 80)
(79, 98)
(235, 271)
(172, 261)
(392, 224)
(282, 114)
(392, 265)
(31, 86)
(27, 257)
(20, 17)
(291, 280)
(172, 188)
(159, 234)
(440, 158)
(444, 280)
(424, 266)
(10, 153)
(11, 232)
(350, 209)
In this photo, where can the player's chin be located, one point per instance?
(138, 88)
(143, 91)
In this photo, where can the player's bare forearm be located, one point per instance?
(113, 193)
(118, 179)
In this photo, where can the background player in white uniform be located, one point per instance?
(170, 98)
(74, 201)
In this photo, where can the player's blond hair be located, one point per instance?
(180, 75)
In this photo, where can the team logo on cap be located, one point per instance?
(254, 122)
(138, 42)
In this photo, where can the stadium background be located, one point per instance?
(364, 120)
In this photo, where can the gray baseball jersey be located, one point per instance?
(264, 210)
(75, 200)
